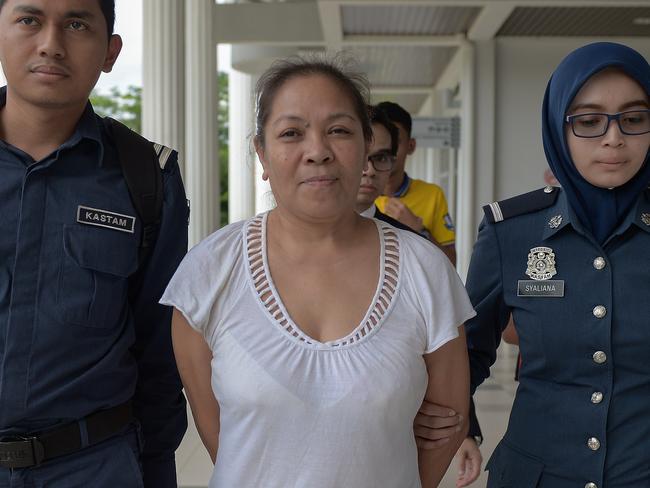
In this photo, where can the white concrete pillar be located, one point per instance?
(241, 156)
(163, 75)
(202, 159)
(465, 217)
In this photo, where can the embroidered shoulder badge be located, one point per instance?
(449, 224)
(541, 263)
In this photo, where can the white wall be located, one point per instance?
(523, 67)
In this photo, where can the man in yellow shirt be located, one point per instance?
(416, 203)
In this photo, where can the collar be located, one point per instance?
(641, 214)
(403, 188)
(560, 215)
(369, 212)
(88, 127)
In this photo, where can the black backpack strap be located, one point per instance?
(139, 159)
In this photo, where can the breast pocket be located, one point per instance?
(510, 468)
(93, 280)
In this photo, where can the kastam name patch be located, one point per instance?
(104, 218)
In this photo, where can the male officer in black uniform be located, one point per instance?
(89, 392)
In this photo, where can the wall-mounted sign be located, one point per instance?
(438, 132)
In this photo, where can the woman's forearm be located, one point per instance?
(448, 370)
(206, 419)
(433, 463)
(193, 358)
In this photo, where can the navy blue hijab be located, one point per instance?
(599, 209)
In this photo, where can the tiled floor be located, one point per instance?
(493, 402)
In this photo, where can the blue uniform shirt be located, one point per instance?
(581, 412)
(71, 342)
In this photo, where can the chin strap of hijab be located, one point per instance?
(600, 210)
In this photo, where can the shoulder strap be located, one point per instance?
(521, 204)
(141, 168)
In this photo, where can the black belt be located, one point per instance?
(31, 450)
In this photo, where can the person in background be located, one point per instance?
(89, 391)
(307, 336)
(419, 205)
(571, 266)
(381, 160)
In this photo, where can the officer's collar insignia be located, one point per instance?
(645, 218)
(106, 219)
(541, 263)
(555, 222)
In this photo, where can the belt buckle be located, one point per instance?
(21, 452)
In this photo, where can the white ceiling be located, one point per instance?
(405, 46)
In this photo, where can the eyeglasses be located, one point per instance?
(382, 161)
(632, 123)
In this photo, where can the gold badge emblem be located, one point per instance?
(541, 263)
(555, 222)
(645, 218)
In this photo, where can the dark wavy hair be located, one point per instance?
(378, 116)
(397, 115)
(340, 69)
(108, 9)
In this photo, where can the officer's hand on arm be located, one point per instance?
(158, 402)
(434, 425)
(448, 372)
(396, 209)
(469, 462)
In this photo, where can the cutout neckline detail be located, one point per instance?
(269, 298)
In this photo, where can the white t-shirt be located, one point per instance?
(298, 413)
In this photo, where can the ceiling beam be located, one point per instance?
(401, 89)
(393, 40)
(451, 74)
(331, 24)
(490, 20)
(266, 23)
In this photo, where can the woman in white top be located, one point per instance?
(307, 337)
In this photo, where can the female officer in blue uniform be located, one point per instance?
(573, 268)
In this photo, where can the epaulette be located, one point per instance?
(163, 153)
(521, 204)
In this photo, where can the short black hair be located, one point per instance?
(378, 116)
(340, 68)
(108, 9)
(397, 115)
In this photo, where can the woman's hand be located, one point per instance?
(469, 462)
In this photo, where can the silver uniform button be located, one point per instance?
(591, 485)
(599, 311)
(548, 189)
(599, 262)
(593, 444)
(599, 357)
(596, 397)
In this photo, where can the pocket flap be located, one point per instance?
(101, 249)
(514, 468)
